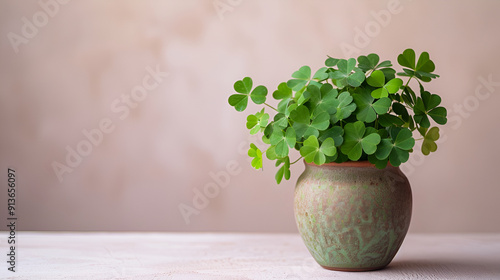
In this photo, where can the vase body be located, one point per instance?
(352, 216)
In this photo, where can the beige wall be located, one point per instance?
(71, 75)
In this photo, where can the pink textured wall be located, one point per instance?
(86, 69)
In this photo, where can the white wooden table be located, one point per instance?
(61, 255)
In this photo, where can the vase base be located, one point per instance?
(349, 269)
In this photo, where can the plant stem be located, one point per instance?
(296, 160)
(270, 107)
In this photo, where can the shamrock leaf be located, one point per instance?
(388, 120)
(258, 121)
(344, 107)
(348, 74)
(425, 106)
(313, 152)
(430, 137)
(284, 170)
(283, 140)
(304, 126)
(422, 70)
(256, 154)
(390, 87)
(396, 148)
(376, 79)
(356, 141)
(244, 88)
(322, 99)
(283, 92)
(367, 109)
(302, 78)
(286, 106)
(369, 62)
(407, 58)
(335, 133)
(330, 61)
(401, 110)
(280, 120)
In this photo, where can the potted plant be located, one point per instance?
(353, 122)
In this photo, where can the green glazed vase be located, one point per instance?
(352, 216)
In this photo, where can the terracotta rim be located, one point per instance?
(346, 164)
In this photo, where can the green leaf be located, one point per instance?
(321, 121)
(424, 63)
(283, 171)
(302, 77)
(400, 109)
(243, 86)
(380, 164)
(271, 153)
(393, 85)
(348, 74)
(369, 62)
(304, 73)
(388, 120)
(312, 152)
(355, 141)
(290, 137)
(370, 142)
(322, 99)
(301, 115)
(384, 149)
(328, 147)
(321, 74)
(376, 79)
(422, 70)
(426, 106)
(390, 87)
(256, 154)
(407, 58)
(280, 120)
(429, 145)
(367, 110)
(279, 139)
(238, 101)
(438, 115)
(344, 107)
(283, 92)
(335, 133)
(330, 61)
(397, 148)
(382, 105)
(258, 95)
(404, 139)
(257, 122)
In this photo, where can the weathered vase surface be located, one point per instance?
(352, 216)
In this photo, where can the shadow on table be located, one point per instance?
(446, 268)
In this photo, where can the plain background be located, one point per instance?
(66, 78)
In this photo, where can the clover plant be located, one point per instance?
(349, 110)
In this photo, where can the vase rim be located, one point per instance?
(363, 163)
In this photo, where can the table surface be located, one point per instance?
(104, 255)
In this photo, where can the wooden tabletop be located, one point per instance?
(95, 255)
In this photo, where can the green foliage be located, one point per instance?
(350, 110)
